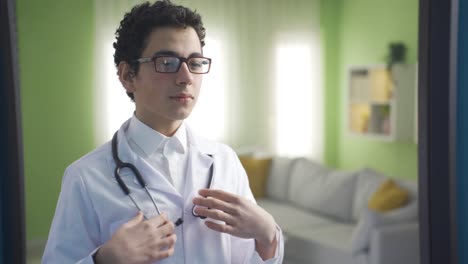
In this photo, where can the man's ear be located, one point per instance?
(126, 76)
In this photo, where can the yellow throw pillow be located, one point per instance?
(388, 196)
(257, 170)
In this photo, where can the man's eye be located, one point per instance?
(168, 62)
(195, 64)
(199, 63)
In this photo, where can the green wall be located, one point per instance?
(330, 16)
(358, 32)
(56, 69)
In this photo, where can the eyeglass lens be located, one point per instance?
(168, 64)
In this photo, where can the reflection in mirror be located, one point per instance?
(317, 97)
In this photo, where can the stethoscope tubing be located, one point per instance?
(120, 165)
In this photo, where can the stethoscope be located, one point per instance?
(120, 165)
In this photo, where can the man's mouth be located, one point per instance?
(182, 98)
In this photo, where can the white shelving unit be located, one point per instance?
(380, 103)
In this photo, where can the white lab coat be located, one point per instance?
(91, 206)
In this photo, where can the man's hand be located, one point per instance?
(242, 218)
(139, 241)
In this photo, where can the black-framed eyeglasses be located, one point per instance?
(172, 64)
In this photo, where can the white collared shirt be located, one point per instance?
(169, 155)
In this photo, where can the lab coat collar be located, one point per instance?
(125, 152)
(201, 144)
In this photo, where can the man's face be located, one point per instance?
(164, 99)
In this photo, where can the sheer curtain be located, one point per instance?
(265, 88)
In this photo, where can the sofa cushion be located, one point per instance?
(367, 182)
(329, 244)
(257, 170)
(319, 189)
(289, 217)
(372, 220)
(276, 187)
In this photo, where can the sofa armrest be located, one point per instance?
(395, 243)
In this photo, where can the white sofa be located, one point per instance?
(325, 219)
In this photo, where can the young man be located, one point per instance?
(195, 204)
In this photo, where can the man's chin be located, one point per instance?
(182, 116)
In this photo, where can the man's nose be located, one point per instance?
(184, 76)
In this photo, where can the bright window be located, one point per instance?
(117, 106)
(298, 102)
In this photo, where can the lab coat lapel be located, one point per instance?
(201, 158)
(199, 169)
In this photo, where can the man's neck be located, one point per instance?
(165, 127)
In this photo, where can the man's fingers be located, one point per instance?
(158, 220)
(162, 231)
(220, 227)
(220, 194)
(167, 229)
(162, 254)
(135, 220)
(168, 242)
(214, 214)
(214, 203)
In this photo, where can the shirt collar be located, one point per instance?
(150, 140)
(181, 136)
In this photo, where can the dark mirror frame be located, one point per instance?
(12, 233)
(438, 29)
(436, 139)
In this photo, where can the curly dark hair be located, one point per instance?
(137, 24)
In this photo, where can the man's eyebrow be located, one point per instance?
(166, 52)
(173, 53)
(195, 54)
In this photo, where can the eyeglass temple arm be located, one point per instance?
(144, 60)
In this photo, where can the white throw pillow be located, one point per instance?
(321, 190)
(371, 220)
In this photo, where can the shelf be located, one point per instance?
(381, 102)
